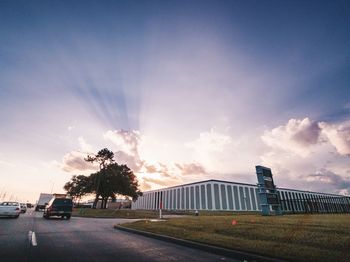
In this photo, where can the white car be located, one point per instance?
(23, 207)
(10, 209)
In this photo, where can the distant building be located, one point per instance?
(232, 196)
(111, 203)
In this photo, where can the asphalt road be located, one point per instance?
(85, 239)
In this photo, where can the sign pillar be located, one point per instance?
(269, 200)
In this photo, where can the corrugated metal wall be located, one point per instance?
(221, 195)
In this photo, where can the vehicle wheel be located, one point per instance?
(16, 216)
(45, 216)
(67, 217)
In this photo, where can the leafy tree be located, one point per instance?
(79, 186)
(117, 180)
(104, 157)
(111, 180)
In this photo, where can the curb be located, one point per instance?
(205, 247)
(98, 217)
(110, 217)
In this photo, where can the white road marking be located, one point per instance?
(32, 238)
(34, 243)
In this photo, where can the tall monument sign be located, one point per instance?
(269, 201)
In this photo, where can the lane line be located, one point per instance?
(34, 242)
(32, 239)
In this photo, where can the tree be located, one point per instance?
(117, 180)
(103, 158)
(79, 186)
(111, 180)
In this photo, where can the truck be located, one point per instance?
(43, 199)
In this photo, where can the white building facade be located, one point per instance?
(219, 195)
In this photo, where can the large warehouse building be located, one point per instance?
(231, 196)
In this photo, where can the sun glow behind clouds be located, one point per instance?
(174, 72)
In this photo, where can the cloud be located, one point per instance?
(129, 142)
(164, 182)
(132, 161)
(158, 174)
(145, 186)
(151, 168)
(211, 149)
(324, 179)
(301, 136)
(191, 169)
(297, 136)
(85, 147)
(126, 141)
(158, 168)
(210, 141)
(6, 163)
(74, 162)
(309, 155)
(338, 136)
(125, 145)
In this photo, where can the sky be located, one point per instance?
(181, 91)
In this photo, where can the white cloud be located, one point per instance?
(211, 149)
(191, 169)
(126, 141)
(302, 136)
(125, 145)
(338, 136)
(85, 147)
(74, 162)
(297, 136)
(210, 141)
(6, 163)
(324, 180)
(163, 182)
(304, 154)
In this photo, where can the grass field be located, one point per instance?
(127, 213)
(117, 213)
(292, 237)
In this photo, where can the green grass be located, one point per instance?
(128, 213)
(118, 213)
(292, 237)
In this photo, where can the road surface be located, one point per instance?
(85, 239)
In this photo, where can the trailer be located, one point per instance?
(43, 199)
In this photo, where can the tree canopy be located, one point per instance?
(78, 186)
(103, 157)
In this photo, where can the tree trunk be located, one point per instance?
(105, 203)
(102, 202)
(95, 202)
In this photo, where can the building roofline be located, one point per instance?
(200, 182)
(238, 183)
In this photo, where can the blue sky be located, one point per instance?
(180, 90)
